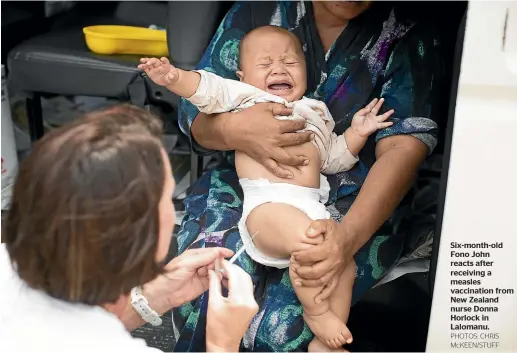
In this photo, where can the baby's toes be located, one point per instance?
(346, 335)
(333, 344)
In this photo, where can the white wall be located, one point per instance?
(481, 199)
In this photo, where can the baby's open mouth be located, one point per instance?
(281, 86)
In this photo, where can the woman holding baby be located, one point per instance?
(354, 52)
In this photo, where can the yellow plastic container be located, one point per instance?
(109, 40)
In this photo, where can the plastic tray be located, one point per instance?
(111, 40)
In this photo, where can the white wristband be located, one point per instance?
(141, 305)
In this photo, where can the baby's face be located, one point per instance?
(275, 63)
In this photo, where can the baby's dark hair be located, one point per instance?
(270, 28)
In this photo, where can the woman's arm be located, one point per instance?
(411, 86)
(132, 320)
(185, 278)
(388, 181)
(188, 276)
(212, 132)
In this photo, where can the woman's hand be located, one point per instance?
(229, 318)
(258, 134)
(185, 279)
(322, 264)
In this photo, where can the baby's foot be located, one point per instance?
(160, 71)
(316, 346)
(329, 329)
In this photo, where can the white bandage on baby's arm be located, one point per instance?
(339, 158)
(216, 94)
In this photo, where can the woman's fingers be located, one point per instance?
(165, 61)
(203, 271)
(224, 252)
(315, 254)
(318, 282)
(193, 259)
(233, 313)
(274, 168)
(287, 126)
(317, 228)
(327, 291)
(317, 270)
(240, 286)
(215, 295)
(282, 157)
(279, 109)
(294, 138)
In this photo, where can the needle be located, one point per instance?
(234, 257)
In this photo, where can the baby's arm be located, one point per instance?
(178, 81)
(364, 123)
(343, 149)
(210, 93)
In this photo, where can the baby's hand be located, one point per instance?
(160, 71)
(366, 121)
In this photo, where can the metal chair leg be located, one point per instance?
(35, 116)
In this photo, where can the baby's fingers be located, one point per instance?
(371, 105)
(362, 112)
(154, 62)
(385, 116)
(368, 108)
(144, 64)
(170, 78)
(385, 125)
(377, 106)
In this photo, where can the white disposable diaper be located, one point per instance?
(261, 191)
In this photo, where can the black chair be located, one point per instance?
(186, 46)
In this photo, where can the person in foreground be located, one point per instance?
(91, 221)
(272, 69)
(354, 52)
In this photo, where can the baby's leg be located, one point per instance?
(340, 302)
(281, 230)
